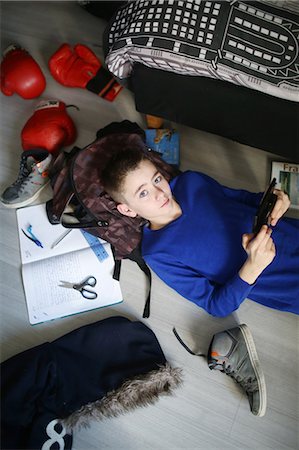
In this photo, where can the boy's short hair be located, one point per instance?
(119, 165)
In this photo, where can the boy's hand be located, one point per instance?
(281, 206)
(261, 252)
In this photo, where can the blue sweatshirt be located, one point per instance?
(200, 253)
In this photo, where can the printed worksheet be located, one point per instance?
(54, 260)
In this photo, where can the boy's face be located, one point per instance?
(147, 194)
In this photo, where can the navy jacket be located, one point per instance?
(53, 380)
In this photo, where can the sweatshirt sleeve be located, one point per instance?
(243, 196)
(239, 195)
(218, 300)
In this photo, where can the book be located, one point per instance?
(166, 142)
(46, 266)
(287, 177)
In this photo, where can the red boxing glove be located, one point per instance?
(79, 67)
(21, 74)
(49, 128)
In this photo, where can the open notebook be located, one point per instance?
(45, 268)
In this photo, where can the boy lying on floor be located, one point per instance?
(195, 240)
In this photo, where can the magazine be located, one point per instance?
(287, 177)
(165, 141)
(53, 260)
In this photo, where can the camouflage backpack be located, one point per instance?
(79, 200)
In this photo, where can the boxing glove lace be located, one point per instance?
(80, 67)
(21, 74)
(49, 128)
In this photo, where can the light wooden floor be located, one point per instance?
(209, 412)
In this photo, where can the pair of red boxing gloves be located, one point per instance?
(50, 127)
(73, 67)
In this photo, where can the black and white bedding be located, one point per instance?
(252, 44)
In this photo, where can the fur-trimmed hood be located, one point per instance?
(139, 391)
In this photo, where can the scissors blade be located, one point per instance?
(66, 284)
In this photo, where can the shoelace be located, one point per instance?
(23, 172)
(23, 178)
(248, 384)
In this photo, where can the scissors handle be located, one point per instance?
(87, 293)
(88, 281)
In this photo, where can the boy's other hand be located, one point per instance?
(281, 206)
(261, 252)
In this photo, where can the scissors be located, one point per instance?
(82, 287)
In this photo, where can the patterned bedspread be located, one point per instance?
(251, 44)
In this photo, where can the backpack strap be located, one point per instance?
(117, 265)
(136, 256)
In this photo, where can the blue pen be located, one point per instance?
(33, 238)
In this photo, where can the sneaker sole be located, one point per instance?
(256, 367)
(25, 202)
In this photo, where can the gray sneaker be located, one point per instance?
(32, 178)
(233, 352)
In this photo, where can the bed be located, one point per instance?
(229, 68)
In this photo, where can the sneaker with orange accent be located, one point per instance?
(233, 352)
(32, 178)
